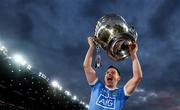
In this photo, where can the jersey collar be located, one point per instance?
(110, 88)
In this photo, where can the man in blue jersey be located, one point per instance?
(107, 96)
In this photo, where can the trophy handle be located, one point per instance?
(98, 63)
(95, 40)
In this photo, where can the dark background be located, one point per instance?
(52, 36)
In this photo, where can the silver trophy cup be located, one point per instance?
(113, 34)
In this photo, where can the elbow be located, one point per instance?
(138, 78)
(85, 66)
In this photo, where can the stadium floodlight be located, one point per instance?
(83, 103)
(60, 88)
(3, 50)
(29, 67)
(87, 106)
(42, 75)
(74, 97)
(19, 59)
(67, 93)
(55, 84)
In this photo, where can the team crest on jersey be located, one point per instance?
(106, 102)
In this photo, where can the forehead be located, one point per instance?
(111, 69)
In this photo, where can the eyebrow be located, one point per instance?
(112, 70)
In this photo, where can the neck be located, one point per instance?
(111, 87)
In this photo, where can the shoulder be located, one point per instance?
(122, 91)
(96, 83)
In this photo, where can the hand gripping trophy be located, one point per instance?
(113, 34)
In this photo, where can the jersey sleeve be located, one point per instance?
(125, 95)
(122, 94)
(125, 92)
(96, 84)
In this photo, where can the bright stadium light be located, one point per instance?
(42, 75)
(3, 49)
(60, 88)
(29, 67)
(83, 103)
(67, 93)
(87, 106)
(19, 59)
(55, 84)
(74, 97)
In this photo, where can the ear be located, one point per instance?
(119, 78)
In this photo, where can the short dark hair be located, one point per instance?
(111, 66)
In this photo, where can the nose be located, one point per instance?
(110, 73)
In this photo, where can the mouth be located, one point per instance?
(109, 79)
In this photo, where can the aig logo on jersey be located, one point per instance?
(106, 102)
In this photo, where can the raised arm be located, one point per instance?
(89, 71)
(137, 72)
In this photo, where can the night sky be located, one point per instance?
(52, 36)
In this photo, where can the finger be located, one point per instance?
(132, 47)
(90, 38)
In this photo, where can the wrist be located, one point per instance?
(91, 46)
(133, 55)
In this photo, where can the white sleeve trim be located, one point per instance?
(125, 92)
(93, 82)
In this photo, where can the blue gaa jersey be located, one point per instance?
(103, 98)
